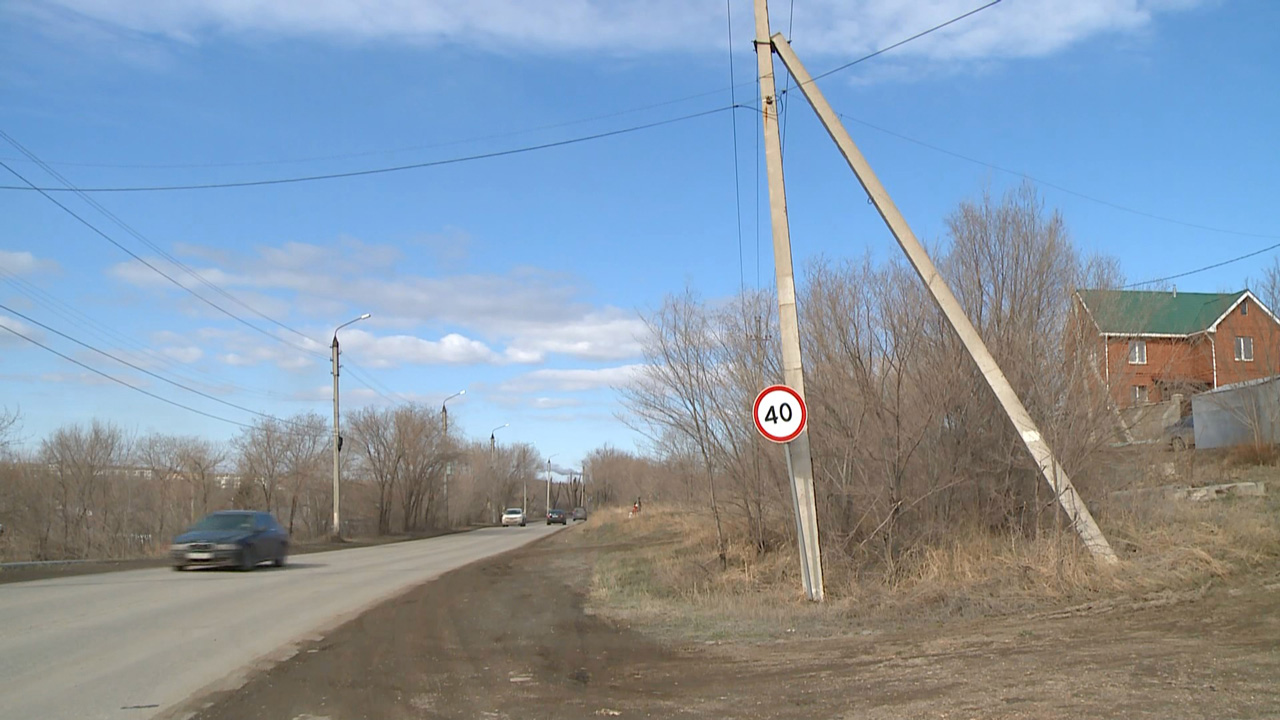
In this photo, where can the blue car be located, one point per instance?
(233, 538)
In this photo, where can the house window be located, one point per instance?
(1244, 349)
(1244, 306)
(1137, 352)
(1140, 394)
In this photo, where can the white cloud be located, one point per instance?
(545, 403)
(183, 354)
(452, 349)
(535, 313)
(8, 338)
(609, 334)
(573, 379)
(21, 262)
(85, 378)
(838, 28)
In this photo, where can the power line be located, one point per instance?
(1236, 259)
(140, 237)
(392, 151)
(144, 240)
(628, 111)
(374, 171)
(1061, 188)
(783, 110)
(733, 117)
(1091, 198)
(141, 369)
(140, 259)
(900, 43)
(105, 333)
(114, 379)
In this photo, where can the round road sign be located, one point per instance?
(780, 414)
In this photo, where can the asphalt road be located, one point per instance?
(136, 644)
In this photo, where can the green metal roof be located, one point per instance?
(1140, 312)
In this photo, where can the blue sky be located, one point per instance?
(521, 278)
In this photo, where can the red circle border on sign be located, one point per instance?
(804, 413)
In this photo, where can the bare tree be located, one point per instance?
(675, 392)
(305, 452)
(373, 432)
(80, 460)
(260, 461)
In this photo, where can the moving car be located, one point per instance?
(556, 515)
(232, 538)
(513, 516)
(579, 514)
(1181, 435)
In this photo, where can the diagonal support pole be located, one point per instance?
(1081, 519)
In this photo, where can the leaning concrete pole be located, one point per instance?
(799, 458)
(1053, 473)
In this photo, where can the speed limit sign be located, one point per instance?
(780, 414)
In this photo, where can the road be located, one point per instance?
(132, 645)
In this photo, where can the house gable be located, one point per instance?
(1254, 303)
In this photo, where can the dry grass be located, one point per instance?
(660, 569)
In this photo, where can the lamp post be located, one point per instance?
(448, 466)
(493, 443)
(549, 482)
(337, 438)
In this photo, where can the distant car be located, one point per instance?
(579, 514)
(556, 515)
(513, 516)
(234, 538)
(1181, 435)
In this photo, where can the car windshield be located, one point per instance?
(235, 521)
(514, 511)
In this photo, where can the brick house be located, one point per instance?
(1150, 345)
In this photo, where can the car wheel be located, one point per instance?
(247, 560)
(280, 560)
(1179, 444)
(179, 568)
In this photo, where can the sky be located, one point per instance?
(523, 277)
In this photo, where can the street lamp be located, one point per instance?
(444, 410)
(337, 439)
(493, 443)
(448, 466)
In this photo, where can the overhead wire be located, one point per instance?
(522, 131)
(142, 260)
(134, 348)
(190, 271)
(117, 380)
(141, 369)
(733, 117)
(379, 170)
(900, 43)
(1205, 268)
(785, 106)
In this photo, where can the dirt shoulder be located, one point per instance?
(23, 573)
(515, 637)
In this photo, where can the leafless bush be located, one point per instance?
(909, 443)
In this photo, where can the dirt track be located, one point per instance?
(511, 638)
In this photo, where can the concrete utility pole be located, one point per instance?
(448, 466)
(337, 438)
(799, 458)
(1040, 451)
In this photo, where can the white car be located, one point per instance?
(513, 516)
